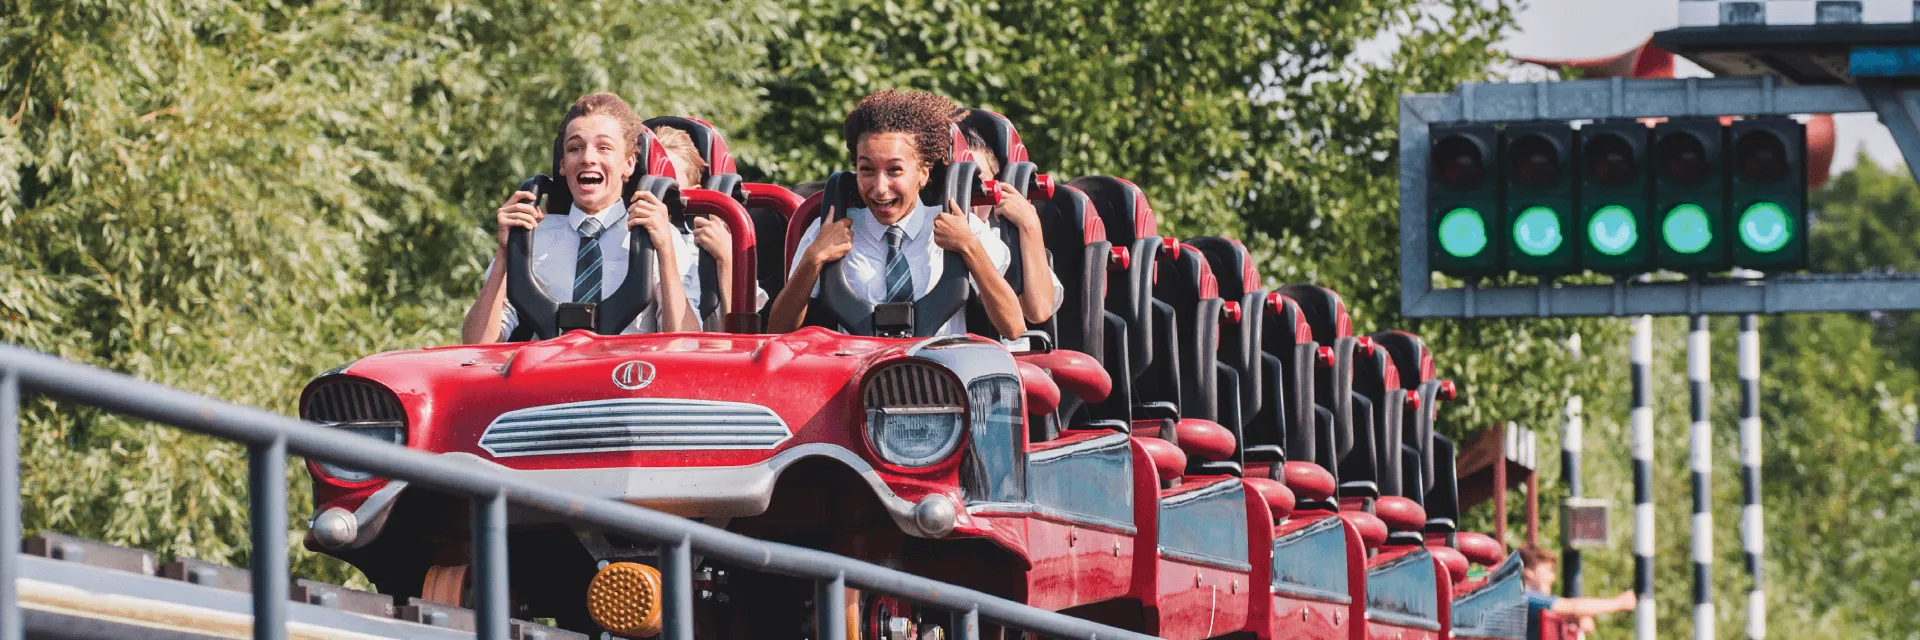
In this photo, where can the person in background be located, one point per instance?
(1539, 576)
(598, 155)
(709, 235)
(893, 249)
(1038, 301)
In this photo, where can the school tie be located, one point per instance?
(899, 279)
(586, 263)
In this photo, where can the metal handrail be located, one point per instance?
(271, 437)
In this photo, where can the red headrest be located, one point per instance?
(803, 217)
(1205, 439)
(1278, 498)
(1122, 205)
(706, 140)
(1073, 371)
(1003, 141)
(1326, 313)
(1043, 396)
(1400, 514)
(1410, 355)
(1231, 264)
(1168, 461)
(1373, 532)
(1308, 480)
(1289, 324)
(1480, 548)
(1454, 561)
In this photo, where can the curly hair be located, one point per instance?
(604, 104)
(921, 115)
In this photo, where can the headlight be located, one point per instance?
(915, 414)
(385, 432)
(358, 406)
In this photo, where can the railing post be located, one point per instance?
(10, 621)
(490, 563)
(676, 580)
(970, 625)
(830, 608)
(267, 516)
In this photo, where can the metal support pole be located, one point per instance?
(491, 608)
(10, 620)
(830, 608)
(1750, 520)
(1700, 451)
(267, 517)
(1500, 484)
(1570, 473)
(970, 625)
(1641, 356)
(676, 581)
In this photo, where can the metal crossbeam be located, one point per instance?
(271, 436)
(1897, 105)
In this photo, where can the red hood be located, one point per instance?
(451, 394)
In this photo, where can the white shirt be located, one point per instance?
(556, 243)
(865, 266)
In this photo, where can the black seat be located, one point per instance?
(1415, 362)
(722, 177)
(1353, 451)
(1377, 379)
(1129, 345)
(1238, 354)
(1288, 414)
(1004, 143)
(1082, 256)
(1443, 500)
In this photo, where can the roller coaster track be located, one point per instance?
(55, 586)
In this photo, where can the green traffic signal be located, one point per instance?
(1613, 230)
(1765, 228)
(1537, 166)
(1687, 229)
(1536, 232)
(1767, 191)
(1463, 233)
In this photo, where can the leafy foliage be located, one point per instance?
(232, 196)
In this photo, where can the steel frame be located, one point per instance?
(1898, 105)
(271, 437)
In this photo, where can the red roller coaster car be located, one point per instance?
(1175, 452)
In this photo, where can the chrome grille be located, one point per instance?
(912, 384)
(636, 424)
(343, 399)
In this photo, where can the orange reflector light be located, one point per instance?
(624, 598)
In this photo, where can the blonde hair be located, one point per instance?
(610, 105)
(680, 145)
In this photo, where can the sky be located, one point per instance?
(1589, 28)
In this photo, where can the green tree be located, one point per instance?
(230, 196)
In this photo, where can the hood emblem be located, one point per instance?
(633, 374)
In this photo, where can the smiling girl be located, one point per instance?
(896, 139)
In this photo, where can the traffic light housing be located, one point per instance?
(1463, 193)
(1616, 217)
(1536, 160)
(1767, 193)
(1689, 195)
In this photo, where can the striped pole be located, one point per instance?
(1642, 427)
(1750, 532)
(1700, 450)
(1570, 473)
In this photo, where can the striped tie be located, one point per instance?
(586, 264)
(899, 278)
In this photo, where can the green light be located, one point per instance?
(1686, 229)
(1764, 227)
(1463, 233)
(1537, 231)
(1613, 230)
